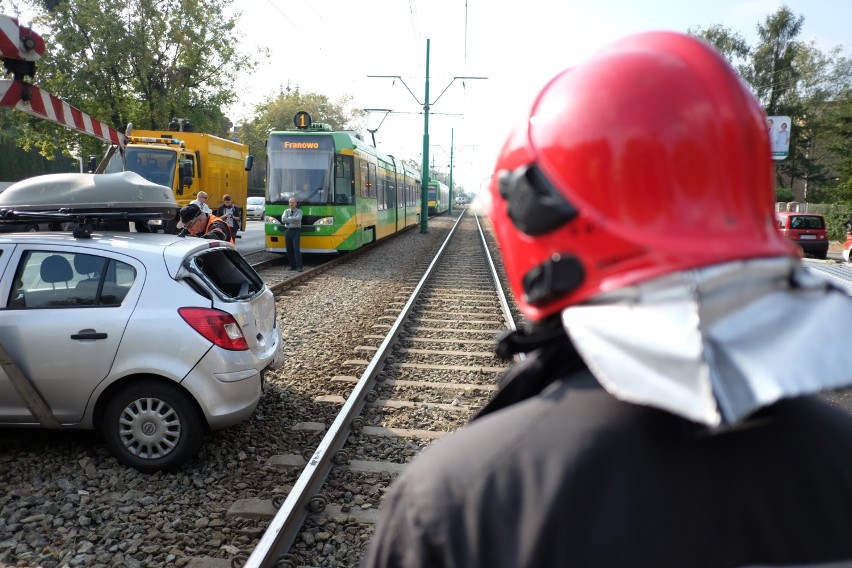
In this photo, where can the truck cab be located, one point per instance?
(186, 162)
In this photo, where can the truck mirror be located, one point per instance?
(93, 163)
(249, 162)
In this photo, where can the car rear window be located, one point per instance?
(227, 272)
(806, 222)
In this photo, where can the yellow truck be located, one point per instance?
(188, 162)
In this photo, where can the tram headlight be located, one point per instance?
(271, 219)
(324, 221)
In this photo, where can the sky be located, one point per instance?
(333, 46)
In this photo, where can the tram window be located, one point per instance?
(344, 183)
(362, 169)
(380, 193)
(390, 191)
(371, 180)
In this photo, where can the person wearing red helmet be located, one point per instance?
(666, 411)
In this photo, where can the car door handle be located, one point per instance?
(89, 334)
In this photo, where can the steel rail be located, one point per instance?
(302, 499)
(333, 261)
(504, 303)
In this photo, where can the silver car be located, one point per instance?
(151, 338)
(255, 207)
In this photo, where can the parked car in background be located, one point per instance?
(151, 338)
(255, 207)
(462, 200)
(806, 230)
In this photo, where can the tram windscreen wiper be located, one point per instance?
(314, 192)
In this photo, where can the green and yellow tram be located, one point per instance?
(350, 193)
(438, 196)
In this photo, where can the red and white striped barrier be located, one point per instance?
(19, 42)
(32, 100)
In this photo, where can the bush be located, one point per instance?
(784, 194)
(835, 221)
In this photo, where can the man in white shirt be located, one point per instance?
(201, 201)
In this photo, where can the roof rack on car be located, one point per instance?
(88, 200)
(85, 222)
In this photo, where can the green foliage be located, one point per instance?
(277, 113)
(784, 194)
(838, 125)
(730, 44)
(18, 164)
(772, 72)
(135, 61)
(835, 221)
(792, 78)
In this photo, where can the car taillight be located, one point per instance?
(216, 326)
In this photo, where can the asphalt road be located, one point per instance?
(252, 239)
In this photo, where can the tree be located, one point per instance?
(773, 72)
(135, 61)
(18, 164)
(730, 44)
(277, 113)
(818, 147)
(792, 78)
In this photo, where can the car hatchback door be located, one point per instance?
(238, 290)
(66, 311)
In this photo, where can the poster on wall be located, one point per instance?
(779, 136)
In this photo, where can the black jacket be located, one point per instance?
(567, 475)
(237, 217)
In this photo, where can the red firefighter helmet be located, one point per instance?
(650, 158)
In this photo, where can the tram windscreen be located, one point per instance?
(299, 167)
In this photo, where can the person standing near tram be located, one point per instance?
(292, 220)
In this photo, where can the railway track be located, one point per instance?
(423, 369)
(273, 268)
(65, 501)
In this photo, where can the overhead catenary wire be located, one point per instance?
(292, 23)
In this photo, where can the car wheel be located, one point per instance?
(32, 228)
(152, 426)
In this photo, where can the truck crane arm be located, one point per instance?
(20, 48)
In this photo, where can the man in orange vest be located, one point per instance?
(205, 225)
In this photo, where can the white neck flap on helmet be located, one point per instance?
(716, 344)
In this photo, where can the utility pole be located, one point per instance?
(452, 133)
(424, 176)
(426, 104)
